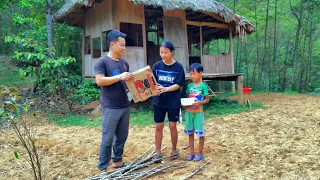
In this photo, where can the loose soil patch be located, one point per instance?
(278, 142)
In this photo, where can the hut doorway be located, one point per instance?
(154, 33)
(194, 46)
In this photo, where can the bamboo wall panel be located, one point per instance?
(174, 30)
(220, 63)
(87, 24)
(135, 58)
(87, 65)
(182, 15)
(93, 62)
(128, 12)
(97, 20)
(106, 15)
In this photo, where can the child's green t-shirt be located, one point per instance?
(199, 93)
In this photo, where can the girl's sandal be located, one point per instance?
(157, 158)
(198, 158)
(174, 155)
(190, 157)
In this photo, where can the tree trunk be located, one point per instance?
(275, 37)
(49, 18)
(285, 67)
(269, 60)
(304, 61)
(308, 78)
(296, 45)
(247, 65)
(262, 65)
(253, 79)
(239, 61)
(237, 52)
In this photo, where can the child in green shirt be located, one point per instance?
(194, 123)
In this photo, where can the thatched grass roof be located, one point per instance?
(241, 26)
(196, 5)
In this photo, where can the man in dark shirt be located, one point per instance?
(110, 73)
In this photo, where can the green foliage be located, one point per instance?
(15, 113)
(277, 73)
(9, 108)
(75, 120)
(290, 92)
(39, 64)
(16, 155)
(55, 75)
(222, 106)
(9, 74)
(27, 19)
(142, 118)
(142, 114)
(316, 92)
(85, 92)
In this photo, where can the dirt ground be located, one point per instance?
(281, 141)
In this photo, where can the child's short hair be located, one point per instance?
(196, 66)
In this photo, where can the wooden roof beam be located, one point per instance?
(213, 15)
(153, 10)
(217, 25)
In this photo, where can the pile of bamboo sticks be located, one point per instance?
(135, 169)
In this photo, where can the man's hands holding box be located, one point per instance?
(125, 76)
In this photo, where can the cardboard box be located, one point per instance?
(143, 85)
(187, 101)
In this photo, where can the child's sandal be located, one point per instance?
(190, 157)
(198, 158)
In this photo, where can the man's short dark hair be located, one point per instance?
(196, 66)
(114, 35)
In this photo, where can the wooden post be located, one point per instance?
(115, 24)
(158, 33)
(218, 50)
(145, 39)
(83, 52)
(233, 88)
(201, 44)
(240, 92)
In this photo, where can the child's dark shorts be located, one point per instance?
(160, 114)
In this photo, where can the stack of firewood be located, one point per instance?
(135, 170)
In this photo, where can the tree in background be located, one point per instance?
(283, 54)
(33, 19)
(286, 55)
(51, 68)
